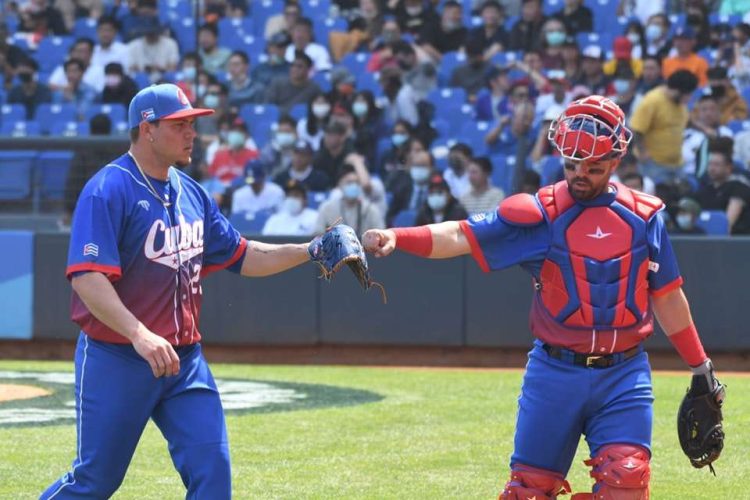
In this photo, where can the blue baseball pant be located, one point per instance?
(116, 394)
(559, 401)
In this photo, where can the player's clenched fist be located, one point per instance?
(381, 242)
(158, 353)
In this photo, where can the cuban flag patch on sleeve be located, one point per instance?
(91, 249)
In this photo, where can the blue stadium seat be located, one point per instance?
(439, 149)
(48, 114)
(603, 40)
(16, 168)
(551, 6)
(253, 112)
(21, 40)
(324, 25)
(11, 113)
(405, 218)
(249, 223)
(298, 111)
(441, 126)
(447, 98)
(355, 62)
(601, 11)
(323, 79)
(714, 222)
(503, 172)
(369, 81)
(142, 79)
(52, 51)
(69, 129)
(473, 133)
(315, 198)
(85, 27)
(716, 18)
(550, 167)
(171, 10)
(3, 97)
(20, 128)
(184, 33)
(247, 43)
(232, 31)
(450, 61)
(52, 170)
(746, 95)
(261, 11)
(116, 112)
(316, 8)
(737, 126)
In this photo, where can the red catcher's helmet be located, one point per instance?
(592, 128)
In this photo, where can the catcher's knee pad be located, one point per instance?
(531, 482)
(622, 472)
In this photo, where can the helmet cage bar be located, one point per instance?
(559, 130)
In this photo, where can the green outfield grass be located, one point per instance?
(434, 434)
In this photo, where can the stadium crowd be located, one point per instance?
(398, 112)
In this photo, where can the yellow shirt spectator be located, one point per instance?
(661, 122)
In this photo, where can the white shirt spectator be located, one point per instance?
(481, 203)
(162, 54)
(459, 185)
(287, 224)
(246, 200)
(312, 140)
(319, 55)
(116, 52)
(742, 148)
(93, 77)
(643, 9)
(693, 141)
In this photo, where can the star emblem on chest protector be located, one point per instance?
(629, 465)
(599, 234)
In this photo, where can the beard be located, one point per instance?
(582, 189)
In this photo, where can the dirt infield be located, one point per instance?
(458, 357)
(14, 392)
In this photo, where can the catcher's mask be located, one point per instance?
(592, 128)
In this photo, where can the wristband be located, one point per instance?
(688, 345)
(414, 240)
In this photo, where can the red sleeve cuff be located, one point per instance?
(669, 287)
(235, 256)
(476, 251)
(113, 273)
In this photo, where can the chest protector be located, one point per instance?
(595, 272)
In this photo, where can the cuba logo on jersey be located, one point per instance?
(163, 244)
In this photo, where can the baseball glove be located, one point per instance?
(339, 245)
(699, 418)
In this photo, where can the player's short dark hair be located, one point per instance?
(304, 21)
(135, 132)
(484, 163)
(85, 41)
(300, 55)
(723, 146)
(683, 81)
(451, 3)
(242, 55)
(491, 4)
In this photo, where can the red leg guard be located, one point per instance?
(622, 472)
(530, 482)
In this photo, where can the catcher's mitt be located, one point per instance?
(339, 245)
(699, 418)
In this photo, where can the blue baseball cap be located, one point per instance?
(162, 102)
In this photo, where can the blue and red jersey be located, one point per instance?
(153, 253)
(594, 263)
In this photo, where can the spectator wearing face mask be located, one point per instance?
(368, 126)
(118, 87)
(412, 193)
(294, 218)
(658, 42)
(456, 175)
(277, 153)
(440, 205)
(554, 34)
(482, 195)
(686, 219)
(258, 193)
(352, 207)
(310, 128)
(301, 170)
(392, 159)
(373, 189)
(29, 91)
(230, 160)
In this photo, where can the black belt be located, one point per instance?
(591, 360)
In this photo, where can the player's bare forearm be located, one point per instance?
(448, 240)
(265, 259)
(434, 241)
(672, 311)
(101, 299)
